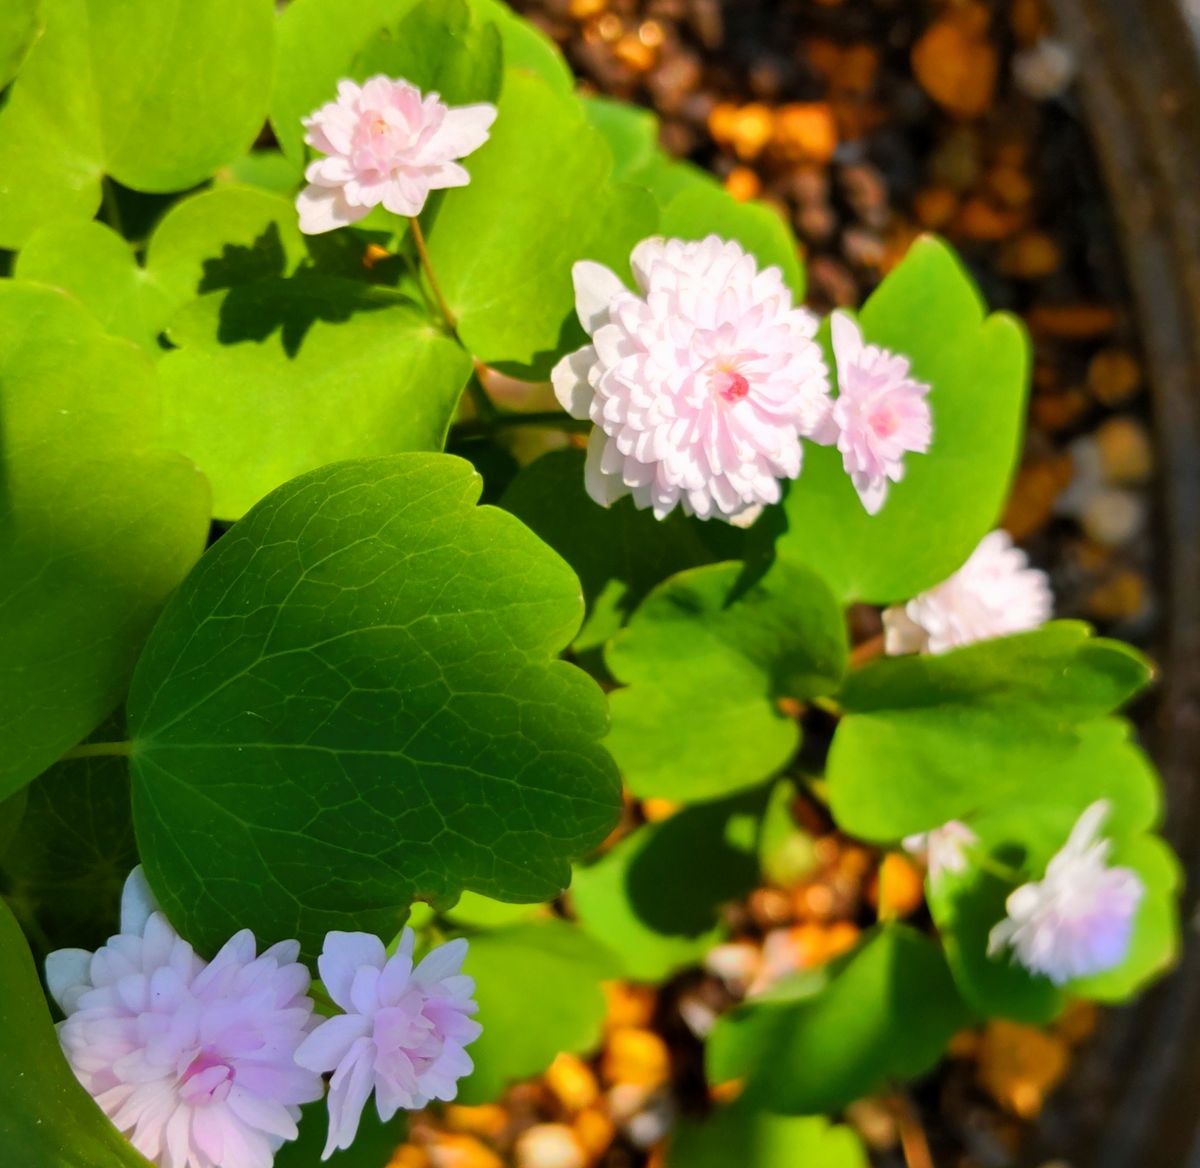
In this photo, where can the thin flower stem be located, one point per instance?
(423, 252)
(913, 1141)
(986, 862)
(98, 750)
(867, 651)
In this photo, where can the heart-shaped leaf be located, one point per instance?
(156, 93)
(98, 523)
(705, 660)
(741, 1136)
(278, 376)
(352, 703)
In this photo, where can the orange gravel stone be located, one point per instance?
(1019, 1066)
(1072, 322)
(901, 887)
(956, 64)
(805, 132)
(636, 1057)
(487, 1120)
(573, 1083)
(1114, 376)
(628, 1005)
(743, 184)
(595, 1130)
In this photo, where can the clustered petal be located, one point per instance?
(403, 1032)
(191, 1060)
(879, 415)
(700, 384)
(1078, 919)
(993, 594)
(386, 144)
(944, 848)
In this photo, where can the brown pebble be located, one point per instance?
(1010, 186)
(595, 1131)
(635, 1056)
(1032, 255)
(1019, 1066)
(1126, 452)
(956, 162)
(980, 219)
(629, 1005)
(550, 1145)
(956, 63)
(572, 1082)
(770, 907)
(1114, 376)
(1055, 412)
(1072, 322)
(634, 53)
(935, 207)
(875, 1122)
(805, 132)
(487, 1120)
(743, 184)
(586, 9)
(1120, 597)
(1034, 494)
(1113, 516)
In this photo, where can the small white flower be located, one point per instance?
(881, 412)
(993, 594)
(700, 384)
(943, 848)
(1078, 919)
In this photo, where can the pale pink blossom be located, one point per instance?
(993, 594)
(1078, 919)
(700, 384)
(403, 1032)
(879, 415)
(192, 1061)
(386, 143)
(944, 849)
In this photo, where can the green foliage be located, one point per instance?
(506, 278)
(1026, 829)
(619, 553)
(655, 898)
(705, 660)
(929, 739)
(274, 378)
(64, 872)
(352, 704)
(739, 1136)
(98, 523)
(440, 48)
(524, 1030)
(22, 24)
(156, 93)
(929, 310)
(98, 268)
(821, 1040)
(46, 1117)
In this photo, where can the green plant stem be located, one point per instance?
(98, 750)
(112, 212)
(988, 863)
(427, 267)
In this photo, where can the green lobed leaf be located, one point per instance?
(473, 911)
(46, 1117)
(267, 170)
(98, 523)
(934, 738)
(929, 310)
(156, 93)
(741, 1136)
(506, 278)
(279, 376)
(98, 268)
(64, 871)
(704, 661)
(21, 26)
(819, 1041)
(437, 48)
(619, 553)
(630, 131)
(526, 47)
(523, 1031)
(701, 210)
(352, 703)
(655, 898)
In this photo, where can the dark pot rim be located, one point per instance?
(1134, 1101)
